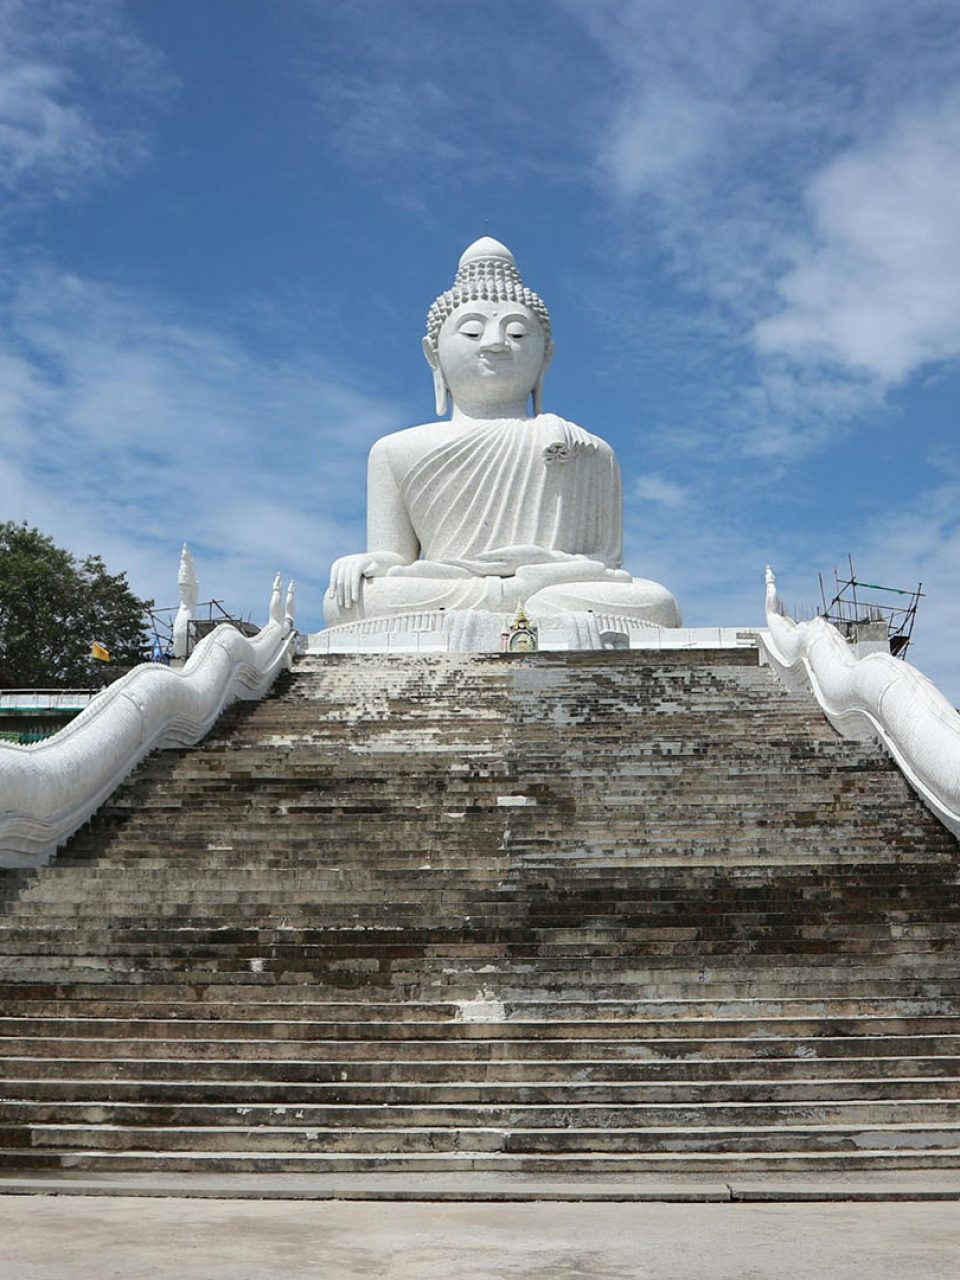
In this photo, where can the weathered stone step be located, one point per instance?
(524, 981)
(602, 852)
(673, 822)
(601, 878)
(310, 921)
(596, 864)
(477, 1138)
(680, 812)
(388, 946)
(623, 781)
(707, 740)
(511, 872)
(480, 1048)
(344, 1070)
(815, 875)
(601, 937)
(609, 1163)
(422, 1024)
(284, 1095)
(177, 893)
(81, 1000)
(573, 1116)
(268, 779)
(466, 982)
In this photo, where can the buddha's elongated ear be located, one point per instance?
(440, 390)
(538, 385)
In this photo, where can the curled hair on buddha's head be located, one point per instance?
(487, 272)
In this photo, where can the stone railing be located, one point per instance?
(50, 789)
(872, 696)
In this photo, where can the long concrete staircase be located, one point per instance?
(564, 913)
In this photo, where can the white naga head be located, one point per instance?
(488, 337)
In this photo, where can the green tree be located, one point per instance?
(53, 607)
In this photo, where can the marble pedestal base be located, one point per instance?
(480, 631)
(459, 631)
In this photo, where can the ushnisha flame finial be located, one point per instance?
(487, 270)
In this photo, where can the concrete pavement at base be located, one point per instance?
(91, 1238)
(916, 1184)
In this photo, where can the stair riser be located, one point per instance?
(580, 1163)
(342, 1070)
(285, 1095)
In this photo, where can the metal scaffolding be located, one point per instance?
(161, 627)
(857, 610)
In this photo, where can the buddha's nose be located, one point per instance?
(493, 339)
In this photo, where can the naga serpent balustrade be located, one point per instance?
(50, 789)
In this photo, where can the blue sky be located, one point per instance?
(223, 221)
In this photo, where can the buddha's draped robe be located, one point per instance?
(539, 482)
(510, 511)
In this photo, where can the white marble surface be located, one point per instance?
(188, 585)
(498, 506)
(479, 631)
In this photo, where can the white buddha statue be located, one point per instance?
(495, 507)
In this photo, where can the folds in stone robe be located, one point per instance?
(510, 511)
(540, 482)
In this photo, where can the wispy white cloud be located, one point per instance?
(430, 101)
(661, 134)
(131, 429)
(874, 289)
(705, 555)
(795, 165)
(74, 78)
(658, 489)
(38, 129)
(378, 118)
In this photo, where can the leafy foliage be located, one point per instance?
(53, 607)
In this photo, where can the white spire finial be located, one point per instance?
(187, 575)
(189, 588)
(774, 603)
(276, 602)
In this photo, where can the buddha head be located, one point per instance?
(488, 337)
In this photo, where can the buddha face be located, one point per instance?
(491, 353)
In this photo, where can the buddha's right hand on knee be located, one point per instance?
(346, 573)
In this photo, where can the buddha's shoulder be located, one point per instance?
(401, 442)
(402, 445)
(565, 429)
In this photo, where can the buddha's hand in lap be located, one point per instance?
(504, 562)
(533, 577)
(347, 572)
(426, 569)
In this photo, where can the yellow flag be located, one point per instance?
(99, 652)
